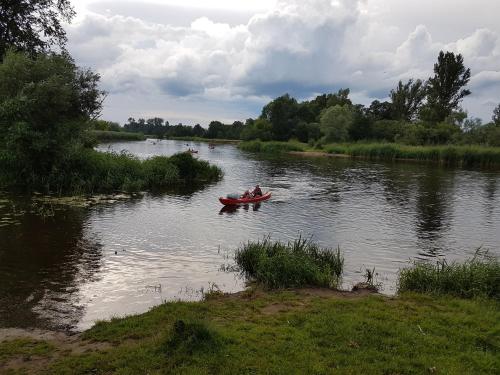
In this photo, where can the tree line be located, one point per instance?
(418, 113)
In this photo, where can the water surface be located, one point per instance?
(82, 264)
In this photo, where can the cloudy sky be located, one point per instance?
(195, 61)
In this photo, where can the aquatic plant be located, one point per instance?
(476, 277)
(294, 264)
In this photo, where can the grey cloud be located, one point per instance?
(300, 47)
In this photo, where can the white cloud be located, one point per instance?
(301, 47)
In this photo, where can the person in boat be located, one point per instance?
(246, 194)
(257, 192)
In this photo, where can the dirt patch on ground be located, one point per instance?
(62, 343)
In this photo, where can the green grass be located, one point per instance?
(294, 264)
(24, 347)
(87, 171)
(272, 147)
(476, 277)
(201, 139)
(289, 332)
(451, 155)
(108, 136)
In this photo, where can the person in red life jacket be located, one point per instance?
(257, 192)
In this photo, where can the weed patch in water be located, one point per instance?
(293, 264)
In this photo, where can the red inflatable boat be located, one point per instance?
(232, 202)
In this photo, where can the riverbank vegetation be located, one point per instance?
(110, 136)
(476, 277)
(294, 264)
(47, 112)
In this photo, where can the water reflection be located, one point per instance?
(42, 263)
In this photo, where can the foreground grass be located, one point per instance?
(108, 136)
(476, 277)
(88, 171)
(275, 264)
(291, 332)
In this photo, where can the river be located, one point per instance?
(78, 265)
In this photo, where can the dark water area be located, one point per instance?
(77, 265)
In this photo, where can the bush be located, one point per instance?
(84, 171)
(476, 277)
(294, 264)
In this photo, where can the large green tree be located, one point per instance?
(282, 114)
(45, 107)
(33, 26)
(446, 89)
(407, 99)
(496, 115)
(335, 123)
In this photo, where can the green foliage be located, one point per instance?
(496, 115)
(85, 171)
(476, 277)
(407, 100)
(108, 136)
(33, 25)
(446, 89)
(388, 130)
(192, 336)
(335, 123)
(271, 147)
(289, 332)
(259, 129)
(449, 155)
(103, 125)
(44, 106)
(293, 264)
(282, 115)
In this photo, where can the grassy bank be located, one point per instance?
(201, 139)
(271, 147)
(108, 136)
(450, 155)
(289, 332)
(87, 172)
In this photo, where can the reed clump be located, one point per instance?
(476, 277)
(276, 264)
